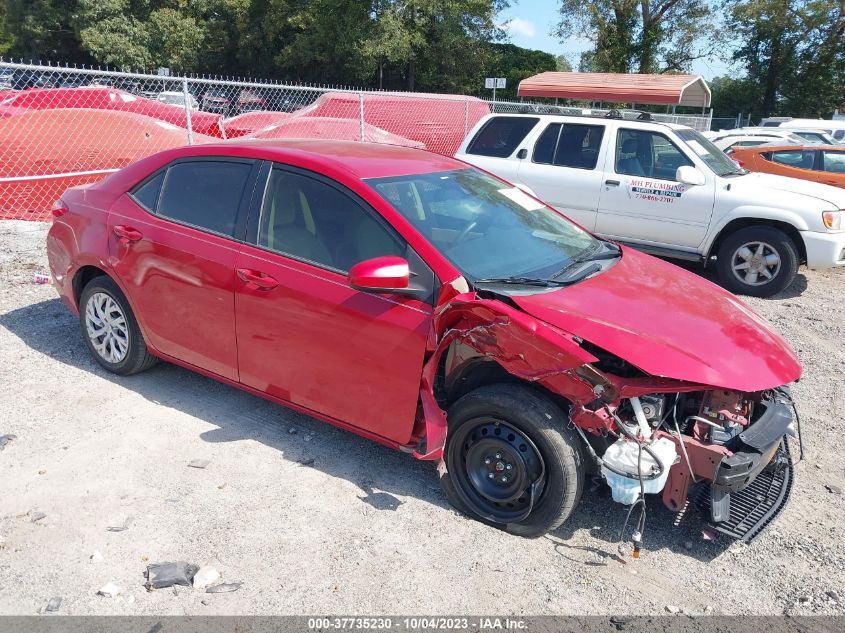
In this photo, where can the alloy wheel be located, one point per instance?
(106, 326)
(755, 263)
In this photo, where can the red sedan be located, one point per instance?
(436, 309)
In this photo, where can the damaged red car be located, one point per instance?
(438, 310)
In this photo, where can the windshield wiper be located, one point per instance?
(521, 281)
(612, 252)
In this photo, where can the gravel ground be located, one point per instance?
(315, 520)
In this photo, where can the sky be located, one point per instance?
(529, 23)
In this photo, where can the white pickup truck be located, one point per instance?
(666, 190)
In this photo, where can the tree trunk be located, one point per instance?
(411, 74)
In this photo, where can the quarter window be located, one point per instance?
(834, 162)
(648, 154)
(147, 194)
(313, 221)
(569, 145)
(205, 194)
(500, 136)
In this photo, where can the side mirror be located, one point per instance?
(380, 274)
(689, 175)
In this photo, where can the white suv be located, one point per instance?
(667, 190)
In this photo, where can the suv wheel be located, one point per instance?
(110, 329)
(758, 261)
(511, 460)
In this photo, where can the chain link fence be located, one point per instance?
(61, 127)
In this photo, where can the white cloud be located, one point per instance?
(518, 26)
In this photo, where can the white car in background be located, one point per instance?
(177, 98)
(835, 128)
(726, 140)
(665, 189)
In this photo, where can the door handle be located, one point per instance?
(262, 281)
(612, 183)
(127, 233)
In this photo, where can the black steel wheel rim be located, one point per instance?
(498, 470)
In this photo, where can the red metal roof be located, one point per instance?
(689, 90)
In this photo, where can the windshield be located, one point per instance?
(485, 227)
(712, 156)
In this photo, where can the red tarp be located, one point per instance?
(440, 122)
(108, 99)
(333, 128)
(39, 145)
(250, 122)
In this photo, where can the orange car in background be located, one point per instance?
(819, 163)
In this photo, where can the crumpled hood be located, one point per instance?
(828, 196)
(670, 323)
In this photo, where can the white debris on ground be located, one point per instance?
(301, 540)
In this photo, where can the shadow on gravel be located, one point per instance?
(795, 289)
(384, 476)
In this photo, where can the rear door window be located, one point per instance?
(500, 136)
(569, 145)
(147, 193)
(205, 194)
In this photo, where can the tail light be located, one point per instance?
(739, 163)
(59, 208)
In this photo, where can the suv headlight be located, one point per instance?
(832, 219)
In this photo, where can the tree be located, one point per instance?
(515, 64)
(42, 29)
(562, 64)
(644, 36)
(794, 50)
(732, 96)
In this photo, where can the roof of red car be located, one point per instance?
(363, 160)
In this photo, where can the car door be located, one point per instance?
(307, 337)
(795, 163)
(833, 167)
(640, 199)
(563, 169)
(173, 245)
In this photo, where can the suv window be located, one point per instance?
(147, 194)
(648, 154)
(569, 145)
(834, 162)
(500, 136)
(311, 220)
(800, 159)
(205, 194)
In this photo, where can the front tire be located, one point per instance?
(511, 460)
(758, 261)
(110, 329)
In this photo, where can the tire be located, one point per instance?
(776, 245)
(122, 349)
(496, 420)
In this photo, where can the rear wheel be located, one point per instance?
(758, 261)
(511, 460)
(110, 329)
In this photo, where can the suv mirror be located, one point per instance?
(380, 274)
(689, 175)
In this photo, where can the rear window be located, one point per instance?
(569, 145)
(204, 194)
(147, 194)
(500, 136)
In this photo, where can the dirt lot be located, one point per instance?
(360, 529)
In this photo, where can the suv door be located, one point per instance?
(564, 169)
(642, 202)
(304, 335)
(494, 146)
(172, 241)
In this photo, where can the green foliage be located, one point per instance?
(794, 50)
(645, 36)
(732, 96)
(515, 64)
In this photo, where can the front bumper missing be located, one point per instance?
(745, 513)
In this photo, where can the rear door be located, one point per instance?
(795, 163)
(173, 244)
(563, 168)
(307, 337)
(642, 202)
